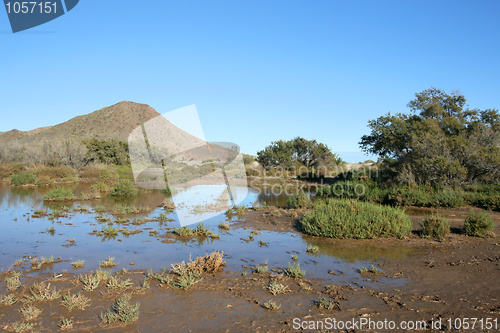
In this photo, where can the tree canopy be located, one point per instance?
(440, 141)
(297, 152)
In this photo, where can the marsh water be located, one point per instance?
(71, 231)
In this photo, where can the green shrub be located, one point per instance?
(344, 218)
(59, 194)
(23, 179)
(478, 224)
(125, 188)
(108, 174)
(487, 201)
(435, 226)
(300, 200)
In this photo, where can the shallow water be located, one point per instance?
(24, 235)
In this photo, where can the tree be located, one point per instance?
(439, 141)
(297, 152)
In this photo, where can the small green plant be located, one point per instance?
(435, 226)
(330, 287)
(374, 270)
(261, 269)
(295, 257)
(263, 243)
(23, 179)
(109, 262)
(77, 301)
(66, 324)
(42, 292)
(77, 264)
(300, 200)
(276, 288)
(312, 248)
(51, 230)
(21, 326)
(29, 312)
(121, 311)
(13, 282)
(115, 283)
(363, 269)
(185, 281)
(59, 194)
(305, 286)
(224, 225)
(478, 224)
(272, 305)
(90, 281)
(9, 299)
(125, 188)
(294, 271)
(244, 273)
(327, 304)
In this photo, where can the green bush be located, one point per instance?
(125, 188)
(435, 226)
(59, 194)
(23, 179)
(487, 201)
(344, 218)
(300, 200)
(478, 224)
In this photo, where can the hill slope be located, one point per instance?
(113, 122)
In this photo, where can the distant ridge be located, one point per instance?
(112, 122)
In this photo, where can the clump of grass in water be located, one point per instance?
(276, 288)
(51, 230)
(435, 226)
(42, 292)
(224, 226)
(294, 271)
(121, 311)
(29, 312)
(261, 269)
(263, 243)
(9, 299)
(125, 188)
(77, 301)
(20, 326)
(295, 257)
(312, 248)
(327, 304)
(109, 262)
(478, 224)
(272, 305)
(66, 324)
(78, 264)
(344, 218)
(115, 283)
(199, 231)
(91, 280)
(59, 194)
(374, 270)
(305, 286)
(13, 282)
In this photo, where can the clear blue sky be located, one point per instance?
(257, 71)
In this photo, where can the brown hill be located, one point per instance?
(113, 122)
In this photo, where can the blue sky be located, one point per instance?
(258, 71)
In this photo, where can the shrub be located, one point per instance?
(294, 271)
(300, 200)
(435, 226)
(59, 194)
(23, 179)
(108, 174)
(122, 311)
(125, 188)
(344, 218)
(478, 224)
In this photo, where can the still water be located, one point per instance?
(74, 237)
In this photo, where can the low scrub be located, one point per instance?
(435, 226)
(300, 200)
(121, 311)
(59, 194)
(23, 179)
(344, 218)
(125, 188)
(478, 224)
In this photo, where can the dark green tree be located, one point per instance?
(440, 141)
